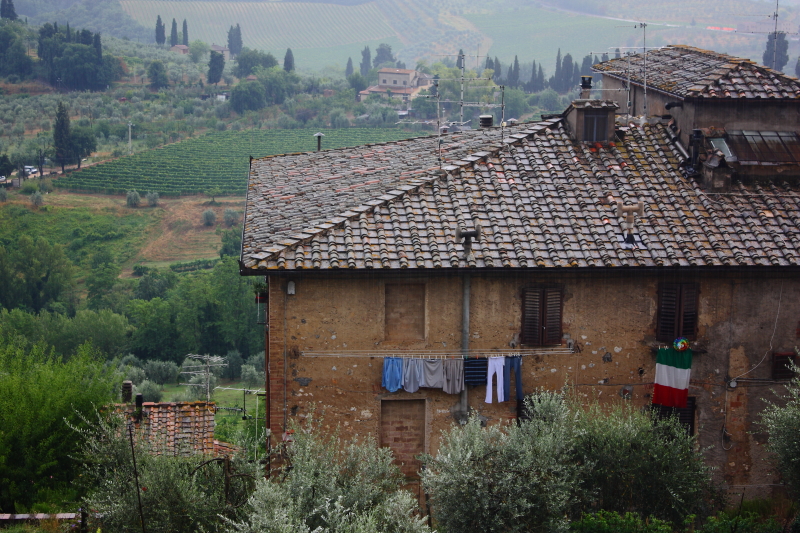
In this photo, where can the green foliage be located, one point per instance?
(74, 61)
(161, 372)
(3, 194)
(288, 60)
(740, 523)
(231, 217)
(776, 57)
(179, 494)
(209, 217)
(198, 50)
(252, 377)
(235, 40)
(248, 96)
(515, 478)
(782, 423)
(173, 35)
(247, 60)
(161, 32)
(39, 391)
(613, 522)
(231, 243)
(43, 275)
(151, 392)
(157, 75)
(132, 199)
(335, 485)
(216, 64)
(152, 199)
(62, 139)
(216, 159)
(563, 461)
(234, 369)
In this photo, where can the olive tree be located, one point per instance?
(783, 424)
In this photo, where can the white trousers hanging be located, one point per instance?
(495, 368)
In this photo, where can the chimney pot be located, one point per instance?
(127, 391)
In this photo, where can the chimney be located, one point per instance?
(127, 391)
(486, 121)
(697, 145)
(319, 136)
(586, 87)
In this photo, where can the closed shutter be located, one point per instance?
(552, 316)
(667, 312)
(685, 414)
(531, 316)
(688, 321)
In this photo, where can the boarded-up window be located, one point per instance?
(685, 414)
(403, 430)
(541, 316)
(782, 365)
(677, 311)
(405, 311)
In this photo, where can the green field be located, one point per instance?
(318, 34)
(217, 160)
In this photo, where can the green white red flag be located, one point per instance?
(673, 370)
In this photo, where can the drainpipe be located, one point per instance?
(463, 401)
(267, 380)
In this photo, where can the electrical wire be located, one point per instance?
(771, 339)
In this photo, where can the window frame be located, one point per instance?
(682, 319)
(597, 119)
(542, 307)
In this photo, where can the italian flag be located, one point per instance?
(673, 369)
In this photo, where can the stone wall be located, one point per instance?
(328, 340)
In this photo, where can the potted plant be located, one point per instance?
(260, 288)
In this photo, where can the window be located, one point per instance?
(541, 315)
(394, 82)
(781, 365)
(685, 414)
(405, 311)
(405, 82)
(677, 311)
(384, 82)
(595, 125)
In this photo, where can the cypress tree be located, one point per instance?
(498, 69)
(161, 34)
(288, 60)
(366, 61)
(62, 139)
(185, 33)
(348, 70)
(773, 59)
(216, 64)
(98, 47)
(605, 57)
(235, 40)
(7, 10)
(540, 79)
(3, 9)
(173, 36)
(617, 53)
(532, 82)
(489, 63)
(515, 73)
(555, 81)
(69, 34)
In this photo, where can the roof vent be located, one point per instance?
(486, 121)
(319, 136)
(467, 237)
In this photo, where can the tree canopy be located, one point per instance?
(216, 64)
(248, 60)
(776, 57)
(288, 60)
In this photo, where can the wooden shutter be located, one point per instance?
(531, 316)
(552, 317)
(781, 368)
(688, 307)
(685, 414)
(668, 301)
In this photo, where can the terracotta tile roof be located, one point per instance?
(540, 202)
(178, 428)
(689, 72)
(388, 70)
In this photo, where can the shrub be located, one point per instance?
(37, 199)
(334, 486)
(130, 360)
(3, 194)
(133, 199)
(179, 494)
(230, 217)
(740, 523)
(782, 424)
(161, 372)
(151, 392)
(209, 218)
(613, 522)
(29, 187)
(635, 463)
(135, 375)
(152, 199)
(252, 377)
(516, 478)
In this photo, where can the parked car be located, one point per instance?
(31, 170)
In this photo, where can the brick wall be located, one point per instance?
(403, 430)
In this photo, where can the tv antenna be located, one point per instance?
(203, 368)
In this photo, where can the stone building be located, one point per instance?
(584, 257)
(703, 89)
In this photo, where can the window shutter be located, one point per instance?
(531, 316)
(667, 312)
(552, 316)
(688, 323)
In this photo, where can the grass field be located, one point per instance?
(218, 159)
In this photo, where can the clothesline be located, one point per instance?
(430, 354)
